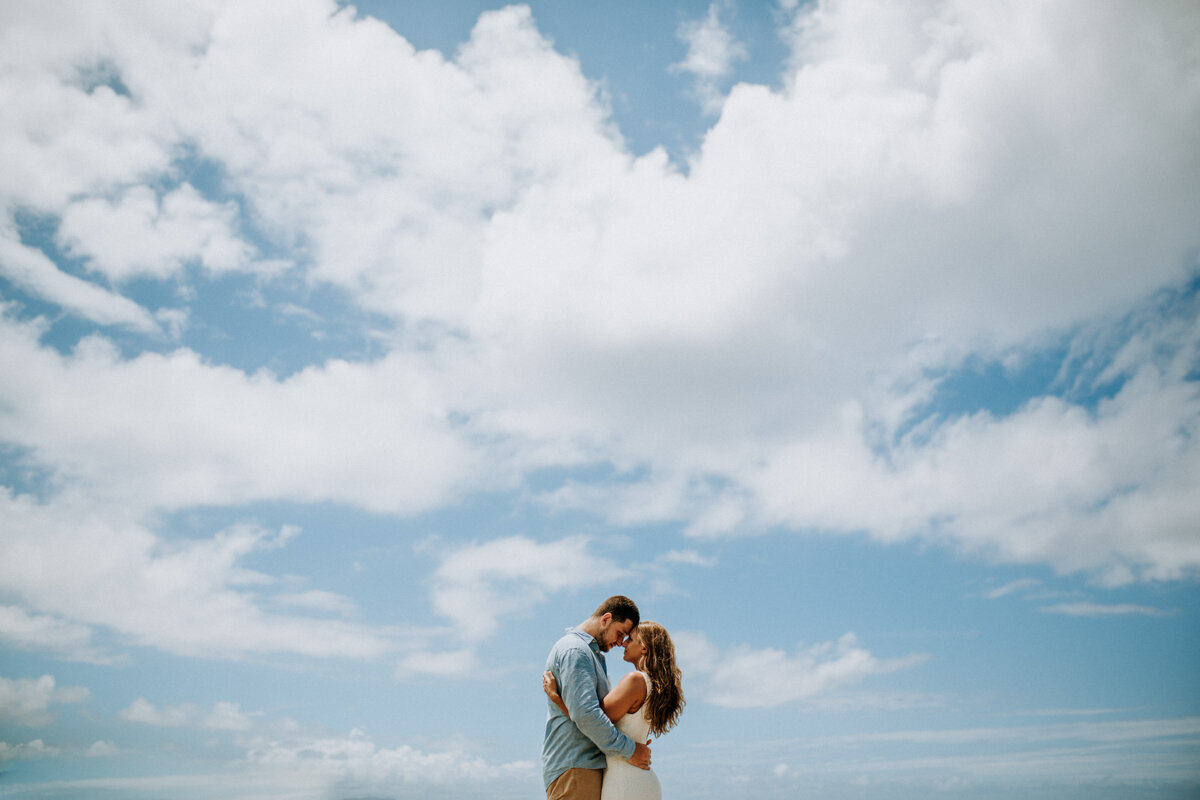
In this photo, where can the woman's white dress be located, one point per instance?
(622, 780)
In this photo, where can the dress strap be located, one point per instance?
(649, 685)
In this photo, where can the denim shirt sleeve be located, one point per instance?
(578, 689)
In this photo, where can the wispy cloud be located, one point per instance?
(317, 600)
(1068, 712)
(712, 52)
(461, 663)
(37, 749)
(690, 558)
(1019, 585)
(190, 597)
(33, 271)
(1085, 609)
(46, 632)
(1126, 752)
(476, 585)
(1107, 731)
(779, 677)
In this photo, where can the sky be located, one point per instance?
(350, 353)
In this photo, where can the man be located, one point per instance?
(574, 747)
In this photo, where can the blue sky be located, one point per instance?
(350, 353)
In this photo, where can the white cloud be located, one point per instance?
(226, 716)
(1130, 754)
(739, 347)
(476, 585)
(139, 234)
(388, 161)
(712, 52)
(191, 597)
(745, 677)
(143, 711)
(1103, 610)
(1131, 750)
(1103, 491)
(1019, 585)
(461, 663)
(27, 701)
(815, 198)
(317, 600)
(1107, 731)
(687, 557)
(165, 431)
(223, 716)
(27, 751)
(69, 640)
(69, 141)
(102, 749)
(31, 270)
(357, 763)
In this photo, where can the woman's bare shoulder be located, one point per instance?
(632, 679)
(633, 685)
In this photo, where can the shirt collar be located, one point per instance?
(588, 638)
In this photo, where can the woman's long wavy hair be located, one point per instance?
(666, 694)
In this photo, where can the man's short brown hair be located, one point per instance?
(621, 608)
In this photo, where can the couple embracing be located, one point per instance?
(597, 736)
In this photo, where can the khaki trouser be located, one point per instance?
(577, 784)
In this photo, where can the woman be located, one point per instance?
(642, 703)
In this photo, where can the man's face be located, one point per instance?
(614, 633)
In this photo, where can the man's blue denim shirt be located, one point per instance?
(581, 741)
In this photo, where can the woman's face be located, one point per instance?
(634, 649)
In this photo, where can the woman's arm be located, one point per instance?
(628, 695)
(550, 687)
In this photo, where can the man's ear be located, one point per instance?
(605, 620)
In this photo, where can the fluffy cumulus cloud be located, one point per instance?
(281, 759)
(193, 597)
(933, 181)
(27, 701)
(224, 716)
(220, 436)
(141, 234)
(357, 763)
(752, 339)
(1104, 490)
(27, 751)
